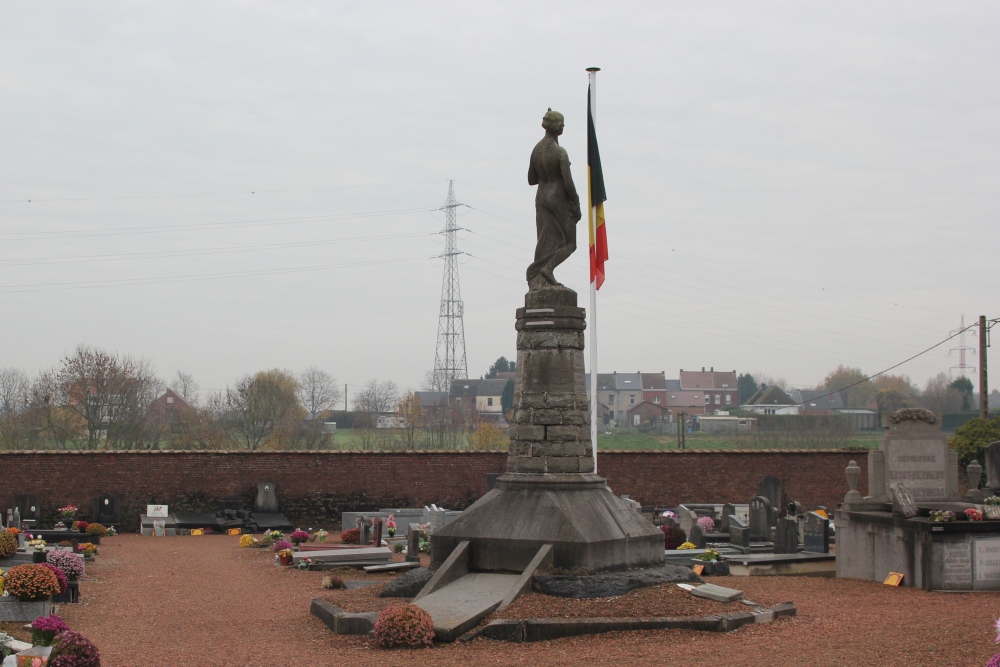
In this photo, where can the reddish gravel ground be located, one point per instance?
(205, 601)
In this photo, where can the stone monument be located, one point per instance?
(915, 453)
(550, 493)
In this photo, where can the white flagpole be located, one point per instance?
(592, 222)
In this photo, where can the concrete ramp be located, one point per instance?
(462, 604)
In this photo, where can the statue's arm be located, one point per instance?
(571, 194)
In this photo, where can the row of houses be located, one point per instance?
(641, 398)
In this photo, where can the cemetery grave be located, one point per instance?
(915, 522)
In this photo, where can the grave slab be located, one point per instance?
(366, 556)
(460, 605)
(717, 593)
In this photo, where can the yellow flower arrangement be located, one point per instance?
(1, 583)
(247, 540)
(687, 545)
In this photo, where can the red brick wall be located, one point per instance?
(315, 487)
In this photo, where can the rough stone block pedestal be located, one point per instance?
(550, 494)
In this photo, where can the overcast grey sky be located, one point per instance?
(791, 185)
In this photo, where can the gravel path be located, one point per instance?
(204, 601)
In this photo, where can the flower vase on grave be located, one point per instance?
(285, 560)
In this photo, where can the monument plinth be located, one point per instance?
(550, 494)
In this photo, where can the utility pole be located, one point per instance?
(449, 360)
(984, 390)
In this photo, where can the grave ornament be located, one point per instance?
(902, 501)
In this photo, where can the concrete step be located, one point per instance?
(460, 605)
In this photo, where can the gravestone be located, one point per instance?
(739, 533)
(993, 467)
(914, 452)
(697, 536)
(902, 500)
(727, 510)
(786, 536)
(107, 510)
(413, 543)
(377, 531)
(816, 535)
(760, 519)
(794, 509)
(771, 488)
(30, 509)
(267, 499)
(686, 518)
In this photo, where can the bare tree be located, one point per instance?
(377, 397)
(185, 385)
(318, 391)
(938, 396)
(260, 406)
(111, 394)
(14, 389)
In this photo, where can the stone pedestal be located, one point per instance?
(550, 494)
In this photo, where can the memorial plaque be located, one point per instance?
(739, 533)
(902, 501)
(957, 573)
(786, 536)
(816, 535)
(920, 465)
(987, 560)
(156, 511)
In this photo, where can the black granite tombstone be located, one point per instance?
(107, 510)
(816, 535)
(739, 533)
(30, 509)
(760, 519)
(786, 536)
(267, 499)
(771, 488)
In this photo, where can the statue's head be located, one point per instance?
(553, 121)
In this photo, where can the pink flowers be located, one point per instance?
(972, 514)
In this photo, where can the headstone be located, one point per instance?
(816, 535)
(914, 452)
(760, 519)
(902, 500)
(16, 518)
(771, 488)
(413, 543)
(31, 509)
(377, 531)
(974, 471)
(993, 466)
(267, 499)
(727, 510)
(696, 536)
(739, 533)
(794, 509)
(157, 511)
(107, 510)
(786, 536)
(686, 518)
(366, 530)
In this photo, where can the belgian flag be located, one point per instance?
(597, 197)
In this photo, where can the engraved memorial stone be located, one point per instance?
(770, 487)
(992, 451)
(902, 501)
(816, 536)
(957, 570)
(786, 536)
(987, 561)
(697, 536)
(914, 452)
(739, 533)
(267, 500)
(760, 519)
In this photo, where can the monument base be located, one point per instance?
(590, 529)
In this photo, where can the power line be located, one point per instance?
(27, 200)
(128, 282)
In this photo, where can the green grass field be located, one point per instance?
(347, 439)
